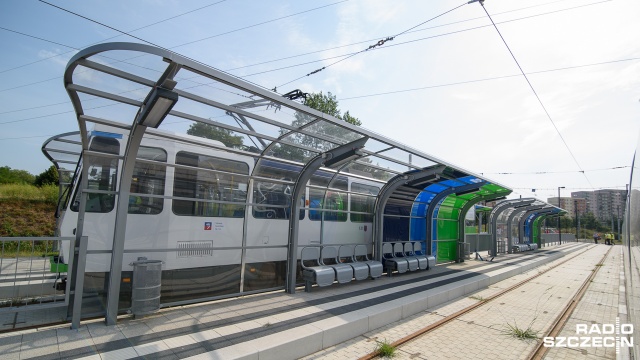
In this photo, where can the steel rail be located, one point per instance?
(468, 309)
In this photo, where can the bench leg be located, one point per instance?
(307, 286)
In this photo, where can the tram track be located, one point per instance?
(557, 325)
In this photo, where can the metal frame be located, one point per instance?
(463, 212)
(324, 159)
(420, 165)
(435, 202)
(385, 194)
(495, 213)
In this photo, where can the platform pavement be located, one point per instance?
(275, 325)
(483, 332)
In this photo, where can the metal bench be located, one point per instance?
(415, 251)
(392, 258)
(318, 273)
(329, 257)
(346, 255)
(360, 255)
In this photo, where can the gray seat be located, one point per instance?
(391, 262)
(317, 273)
(423, 263)
(329, 257)
(346, 253)
(408, 255)
(360, 255)
(431, 260)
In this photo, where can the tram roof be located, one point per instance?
(109, 84)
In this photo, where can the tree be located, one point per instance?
(327, 104)
(216, 133)
(13, 176)
(47, 177)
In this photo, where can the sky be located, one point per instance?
(446, 84)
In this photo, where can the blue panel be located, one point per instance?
(436, 188)
(418, 229)
(451, 183)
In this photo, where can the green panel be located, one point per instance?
(447, 230)
(470, 230)
(448, 213)
(447, 250)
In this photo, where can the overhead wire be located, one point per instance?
(373, 46)
(408, 31)
(486, 79)
(191, 42)
(535, 92)
(555, 172)
(109, 38)
(333, 48)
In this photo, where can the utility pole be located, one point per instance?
(559, 229)
(619, 232)
(575, 208)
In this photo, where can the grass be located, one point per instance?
(48, 193)
(520, 333)
(477, 297)
(384, 349)
(27, 211)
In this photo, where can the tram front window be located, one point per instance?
(102, 173)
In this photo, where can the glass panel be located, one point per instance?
(363, 167)
(212, 186)
(329, 200)
(335, 133)
(278, 194)
(292, 153)
(363, 203)
(148, 179)
(102, 176)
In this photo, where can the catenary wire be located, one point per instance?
(393, 45)
(191, 42)
(140, 28)
(535, 93)
(379, 43)
(486, 79)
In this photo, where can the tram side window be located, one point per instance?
(363, 203)
(334, 200)
(148, 179)
(102, 176)
(273, 200)
(205, 187)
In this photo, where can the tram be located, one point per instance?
(217, 220)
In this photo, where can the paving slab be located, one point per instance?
(287, 326)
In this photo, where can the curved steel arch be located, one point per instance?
(397, 156)
(497, 210)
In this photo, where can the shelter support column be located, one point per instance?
(495, 213)
(423, 175)
(333, 158)
(436, 201)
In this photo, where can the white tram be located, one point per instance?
(218, 223)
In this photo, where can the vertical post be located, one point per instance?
(79, 283)
(575, 208)
(619, 233)
(122, 210)
(559, 228)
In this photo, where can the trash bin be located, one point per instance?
(147, 278)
